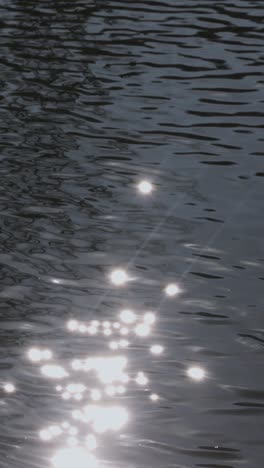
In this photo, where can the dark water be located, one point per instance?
(95, 96)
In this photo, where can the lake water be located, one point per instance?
(97, 96)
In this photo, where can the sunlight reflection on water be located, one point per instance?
(95, 380)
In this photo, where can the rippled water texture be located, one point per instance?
(96, 97)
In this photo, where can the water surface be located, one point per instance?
(95, 97)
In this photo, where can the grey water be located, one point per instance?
(95, 97)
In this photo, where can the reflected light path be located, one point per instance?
(93, 386)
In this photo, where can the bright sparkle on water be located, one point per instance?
(106, 418)
(118, 277)
(76, 364)
(37, 355)
(96, 395)
(141, 379)
(142, 330)
(149, 318)
(154, 397)
(196, 373)
(128, 316)
(46, 354)
(9, 387)
(74, 456)
(172, 290)
(75, 388)
(123, 343)
(72, 325)
(113, 345)
(156, 349)
(145, 187)
(116, 325)
(45, 435)
(91, 442)
(54, 371)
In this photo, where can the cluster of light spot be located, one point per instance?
(105, 377)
